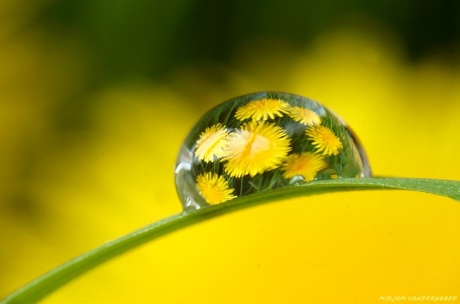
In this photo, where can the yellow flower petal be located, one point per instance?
(304, 116)
(306, 164)
(214, 188)
(262, 109)
(324, 140)
(255, 148)
(211, 143)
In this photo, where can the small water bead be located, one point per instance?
(263, 141)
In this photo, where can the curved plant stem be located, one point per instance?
(47, 283)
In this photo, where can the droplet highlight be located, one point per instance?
(263, 141)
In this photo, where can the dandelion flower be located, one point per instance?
(262, 109)
(324, 140)
(214, 188)
(255, 148)
(304, 116)
(306, 164)
(211, 143)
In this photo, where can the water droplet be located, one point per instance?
(263, 141)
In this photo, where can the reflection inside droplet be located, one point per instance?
(262, 141)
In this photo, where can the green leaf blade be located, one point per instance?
(49, 282)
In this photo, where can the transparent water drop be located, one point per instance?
(263, 141)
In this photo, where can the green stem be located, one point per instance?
(47, 283)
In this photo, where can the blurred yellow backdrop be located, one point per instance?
(337, 248)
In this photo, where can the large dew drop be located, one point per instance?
(262, 141)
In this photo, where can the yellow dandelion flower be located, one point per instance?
(255, 148)
(262, 109)
(306, 164)
(214, 188)
(211, 143)
(324, 140)
(304, 116)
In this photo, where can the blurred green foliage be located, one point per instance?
(149, 38)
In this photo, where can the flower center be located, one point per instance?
(255, 145)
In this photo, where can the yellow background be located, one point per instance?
(336, 248)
